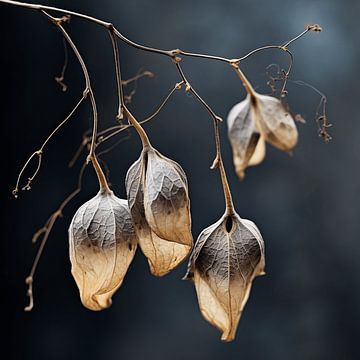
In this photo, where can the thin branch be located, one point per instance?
(218, 163)
(88, 90)
(117, 129)
(170, 53)
(119, 82)
(321, 112)
(60, 79)
(45, 232)
(138, 76)
(85, 141)
(249, 88)
(39, 153)
(189, 87)
(114, 130)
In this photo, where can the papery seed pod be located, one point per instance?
(247, 144)
(160, 207)
(226, 258)
(102, 245)
(274, 122)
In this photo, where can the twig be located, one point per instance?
(117, 129)
(45, 231)
(88, 90)
(60, 79)
(321, 112)
(170, 53)
(39, 153)
(138, 76)
(218, 163)
(189, 87)
(119, 82)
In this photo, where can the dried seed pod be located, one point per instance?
(274, 122)
(102, 245)
(226, 258)
(254, 120)
(247, 144)
(160, 207)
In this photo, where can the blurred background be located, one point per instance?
(306, 205)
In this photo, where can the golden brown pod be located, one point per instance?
(158, 198)
(102, 245)
(226, 258)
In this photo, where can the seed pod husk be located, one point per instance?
(274, 122)
(226, 258)
(158, 198)
(102, 245)
(247, 144)
(253, 121)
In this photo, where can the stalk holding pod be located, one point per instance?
(227, 256)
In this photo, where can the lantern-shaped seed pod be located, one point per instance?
(253, 121)
(247, 144)
(226, 258)
(274, 122)
(102, 245)
(158, 198)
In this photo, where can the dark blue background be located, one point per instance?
(307, 205)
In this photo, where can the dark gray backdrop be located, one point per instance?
(307, 205)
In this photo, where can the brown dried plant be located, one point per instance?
(105, 231)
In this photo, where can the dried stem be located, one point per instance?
(141, 132)
(250, 90)
(114, 130)
(45, 231)
(138, 76)
(119, 82)
(100, 174)
(60, 79)
(321, 112)
(39, 153)
(170, 53)
(88, 91)
(218, 163)
(188, 87)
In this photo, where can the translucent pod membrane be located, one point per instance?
(226, 258)
(102, 245)
(157, 192)
(253, 121)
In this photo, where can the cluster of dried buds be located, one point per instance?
(227, 256)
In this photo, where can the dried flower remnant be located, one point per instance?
(102, 246)
(227, 256)
(157, 192)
